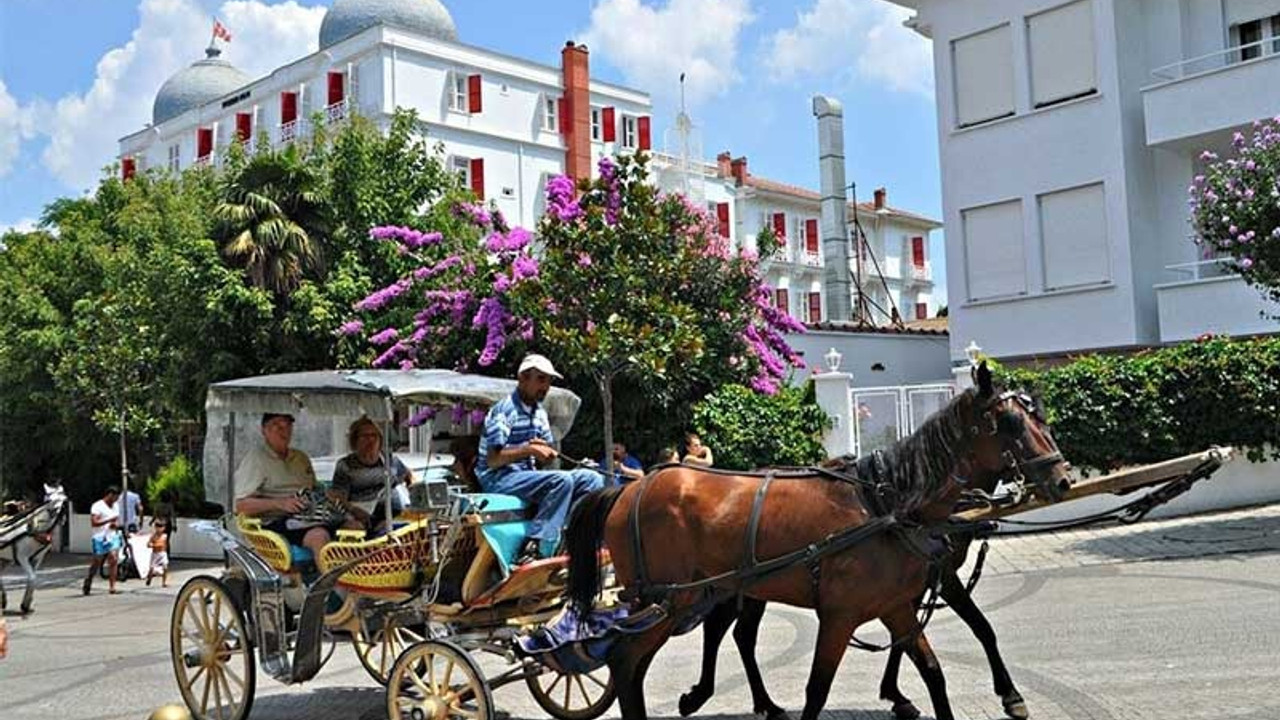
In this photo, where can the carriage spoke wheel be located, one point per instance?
(378, 653)
(437, 680)
(211, 651)
(581, 696)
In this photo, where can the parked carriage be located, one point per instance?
(419, 603)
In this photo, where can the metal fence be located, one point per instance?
(884, 415)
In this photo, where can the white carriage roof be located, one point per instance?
(351, 393)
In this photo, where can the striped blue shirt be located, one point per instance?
(509, 423)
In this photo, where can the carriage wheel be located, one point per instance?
(583, 696)
(378, 653)
(437, 680)
(211, 651)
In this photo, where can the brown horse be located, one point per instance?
(1044, 474)
(691, 525)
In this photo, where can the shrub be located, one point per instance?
(746, 429)
(180, 479)
(1108, 411)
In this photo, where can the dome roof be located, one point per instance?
(424, 17)
(204, 81)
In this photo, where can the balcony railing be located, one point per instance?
(290, 131)
(810, 259)
(204, 160)
(1203, 269)
(336, 112)
(1217, 59)
(920, 272)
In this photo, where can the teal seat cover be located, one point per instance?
(504, 538)
(299, 555)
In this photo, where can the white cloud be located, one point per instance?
(862, 38)
(24, 225)
(16, 124)
(84, 128)
(652, 45)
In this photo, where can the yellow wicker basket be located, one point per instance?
(271, 546)
(393, 565)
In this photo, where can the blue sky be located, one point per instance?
(75, 75)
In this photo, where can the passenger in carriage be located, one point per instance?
(359, 478)
(517, 441)
(268, 481)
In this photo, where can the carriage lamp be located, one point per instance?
(973, 352)
(833, 358)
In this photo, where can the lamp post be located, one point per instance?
(973, 352)
(833, 358)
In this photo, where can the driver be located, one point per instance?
(268, 481)
(517, 441)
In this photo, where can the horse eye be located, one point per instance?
(1011, 424)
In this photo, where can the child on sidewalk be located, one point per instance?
(159, 545)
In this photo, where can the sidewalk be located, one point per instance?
(1238, 531)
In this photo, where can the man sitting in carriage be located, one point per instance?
(517, 441)
(268, 481)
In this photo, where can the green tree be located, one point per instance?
(750, 430)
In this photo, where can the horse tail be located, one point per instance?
(583, 538)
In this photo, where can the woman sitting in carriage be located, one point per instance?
(359, 478)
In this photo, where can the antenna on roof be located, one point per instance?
(683, 144)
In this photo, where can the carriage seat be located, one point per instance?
(504, 524)
(272, 546)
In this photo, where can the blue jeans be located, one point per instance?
(553, 491)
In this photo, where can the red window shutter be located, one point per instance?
(782, 300)
(335, 88)
(288, 107)
(204, 142)
(562, 112)
(917, 251)
(244, 126)
(643, 125)
(722, 219)
(609, 123)
(477, 177)
(127, 168)
(475, 103)
(780, 224)
(811, 236)
(815, 307)
(922, 311)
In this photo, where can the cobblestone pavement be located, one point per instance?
(1160, 620)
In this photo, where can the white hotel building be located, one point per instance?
(506, 125)
(1069, 132)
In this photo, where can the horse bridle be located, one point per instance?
(1017, 465)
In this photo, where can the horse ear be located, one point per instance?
(986, 387)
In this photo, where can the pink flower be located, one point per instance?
(584, 259)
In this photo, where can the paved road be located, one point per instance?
(1173, 619)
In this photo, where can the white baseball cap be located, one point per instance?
(534, 361)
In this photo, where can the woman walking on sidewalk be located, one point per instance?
(105, 519)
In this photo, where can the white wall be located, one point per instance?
(907, 359)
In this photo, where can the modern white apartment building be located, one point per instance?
(1069, 132)
(506, 123)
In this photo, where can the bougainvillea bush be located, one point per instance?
(1235, 205)
(623, 288)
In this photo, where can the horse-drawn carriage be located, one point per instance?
(416, 602)
(26, 531)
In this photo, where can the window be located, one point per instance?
(994, 256)
(815, 307)
(462, 168)
(922, 311)
(811, 236)
(175, 157)
(1062, 54)
(1275, 33)
(721, 211)
(983, 67)
(458, 92)
(550, 113)
(781, 300)
(917, 251)
(1073, 231)
(595, 125)
(1247, 34)
(629, 132)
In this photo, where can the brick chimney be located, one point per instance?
(724, 165)
(880, 198)
(577, 110)
(738, 168)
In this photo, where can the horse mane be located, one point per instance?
(919, 465)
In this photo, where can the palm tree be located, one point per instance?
(271, 219)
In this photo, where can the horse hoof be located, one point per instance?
(774, 713)
(906, 710)
(26, 609)
(1017, 709)
(692, 701)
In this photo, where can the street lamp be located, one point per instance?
(973, 352)
(833, 358)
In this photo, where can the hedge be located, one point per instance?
(1111, 410)
(746, 429)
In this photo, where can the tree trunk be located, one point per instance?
(606, 401)
(124, 474)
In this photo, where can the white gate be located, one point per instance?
(884, 415)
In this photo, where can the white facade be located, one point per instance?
(897, 241)
(1069, 131)
(497, 117)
